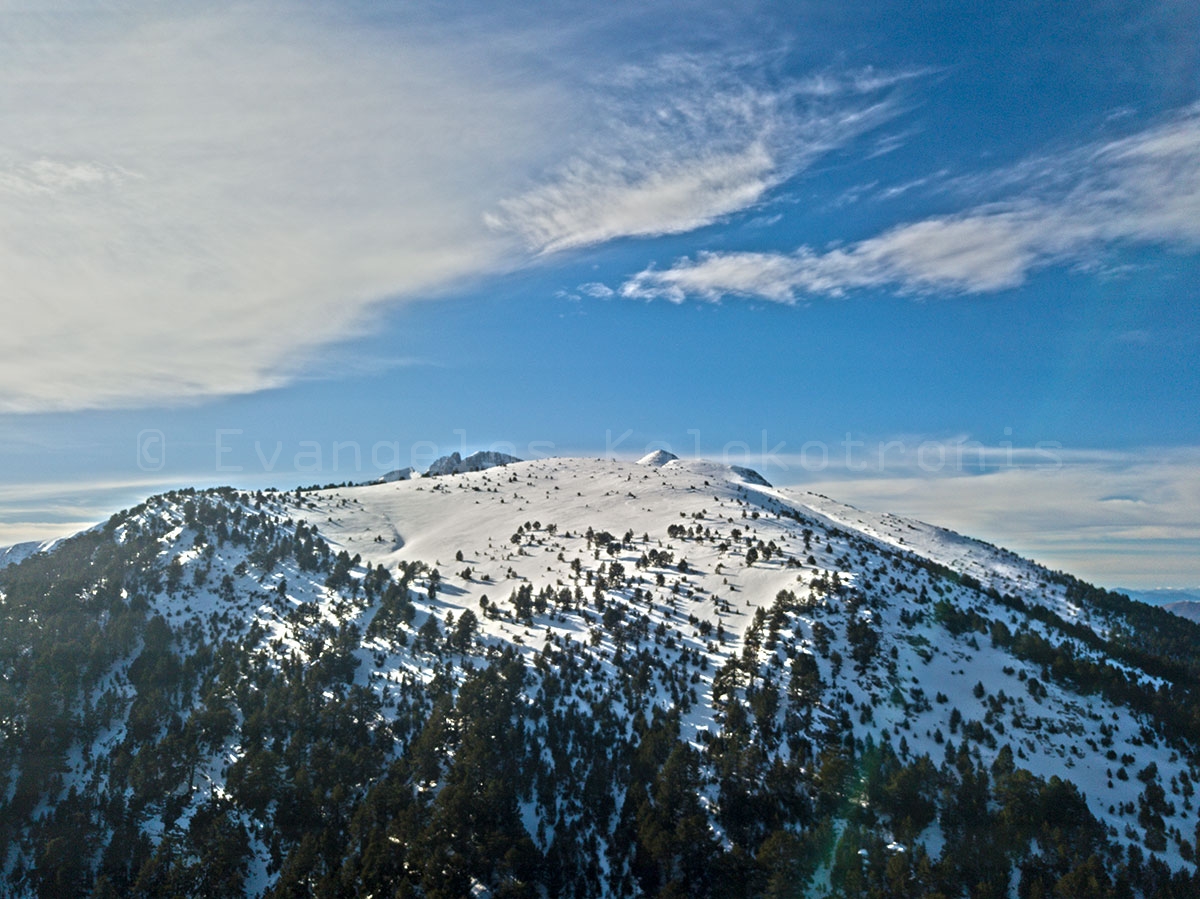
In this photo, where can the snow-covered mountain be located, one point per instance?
(578, 678)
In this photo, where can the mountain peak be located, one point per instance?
(478, 461)
(657, 459)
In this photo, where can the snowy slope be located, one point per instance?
(10, 555)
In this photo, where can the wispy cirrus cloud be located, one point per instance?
(866, 80)
(713, 141)
(593, 201)
(1143, 189)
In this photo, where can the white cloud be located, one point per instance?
(1142, 189)
(194, 201)
(596, 290)
(861, 81)
(714, 142)
(594, 202)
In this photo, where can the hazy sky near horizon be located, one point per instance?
(934, 258)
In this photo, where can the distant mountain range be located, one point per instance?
(1182, 602)
(1188, 608)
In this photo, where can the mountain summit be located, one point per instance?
(581, 678)
(657, 459)
(478, 461)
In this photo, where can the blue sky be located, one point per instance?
(934, 258)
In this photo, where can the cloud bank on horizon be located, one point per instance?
(1118, 515)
